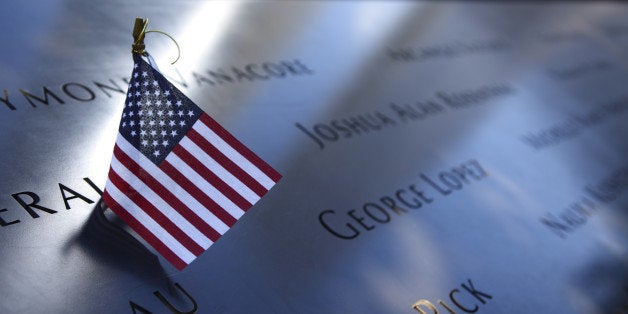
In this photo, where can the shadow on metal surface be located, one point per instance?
(108, 243)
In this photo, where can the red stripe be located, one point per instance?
(144, 232)
(184, 182)
(166, 195)
(227, 163)
(155, 214)
(214, 180)
(243, 150)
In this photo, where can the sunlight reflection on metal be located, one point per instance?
(205, 28)
(385, 16)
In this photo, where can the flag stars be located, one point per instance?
(161, 117)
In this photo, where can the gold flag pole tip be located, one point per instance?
(139, 32)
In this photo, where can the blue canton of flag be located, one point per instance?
(177, 177)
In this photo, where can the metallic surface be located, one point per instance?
(559, 61)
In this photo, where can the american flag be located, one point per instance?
(177, 177)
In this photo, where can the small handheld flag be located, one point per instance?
(177, 177)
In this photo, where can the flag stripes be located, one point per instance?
(169, 197)
(160, 210)
(233, 197)
(198, 194)
(184, 166)
(195, 194)
(235, 151)
(155, 214)
(149, 169)
(248, 196)
(147, 228)
(227, 163)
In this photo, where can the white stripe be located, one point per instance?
(149, 223)
(219, 170)
(208, 189)
(233, 154)
(160, 204)
(185, 197)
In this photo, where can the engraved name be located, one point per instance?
(349, 224)
(467, 300)
(90, 91)
(572, 127)
(342, 128)
(575, 215)
(32, 203)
